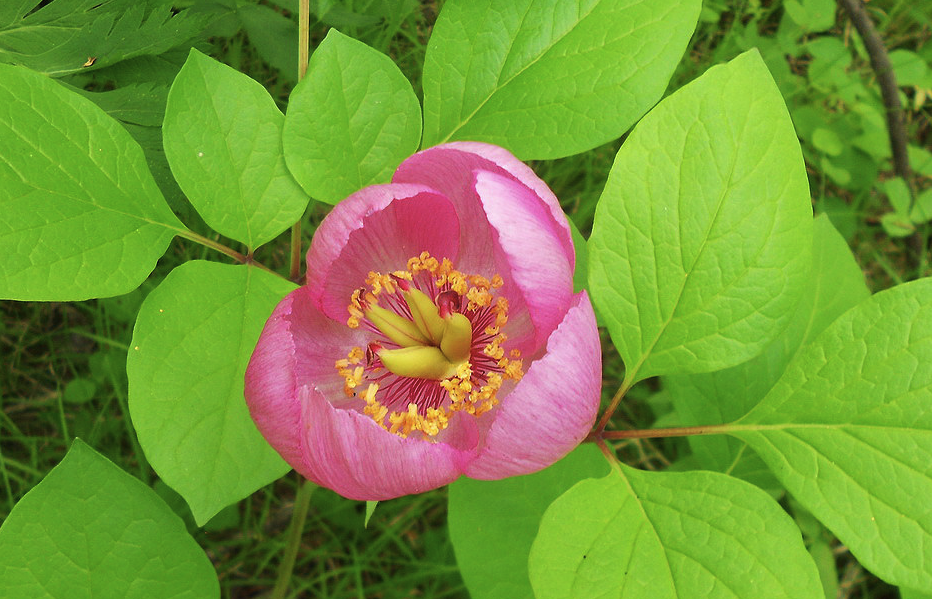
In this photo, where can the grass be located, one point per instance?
(64, 375)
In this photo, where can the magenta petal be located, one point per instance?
(270, 383)
(529, 238)
(448, 167)
(377, 229)
(347, 452)
(553, 407)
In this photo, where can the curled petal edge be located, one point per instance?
(537, 424)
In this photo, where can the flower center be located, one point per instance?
(436, 346)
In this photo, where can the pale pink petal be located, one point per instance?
(553, 407)
(530, 244)
(463, 157)
(348, 452)
(376, 229)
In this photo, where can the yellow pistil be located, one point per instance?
(427, 346)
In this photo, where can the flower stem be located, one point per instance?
(285, 569)
(304, 38)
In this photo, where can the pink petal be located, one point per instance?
(530, 243)
(553, 407)
(298, 347)
(377, 229)
(448, 167)
(270, 385)
(348, 452)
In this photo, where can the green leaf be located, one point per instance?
(909, 67)
(922, 209)
(827, 141)
(370, 509)
(493, 523)
(581, 274)
(836, 285)
(351, 120)
(897, 225)
(811, 15)
(82, 216)
(848, 431)
(898, 194)
(546, 79)
(223, 140)
(701, 242)
(654, 535)
(273, 35)
(91, 530)
(193, 338)
(61, 36)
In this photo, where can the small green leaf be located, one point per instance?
(898, 194)
(848, 431)
(546, 79)
(223, 140)
(79, 390)
(82, 216)
(702, 239)
(351, 120)
(193, 338)
(370, 509)
(90, 530)
(897, 225)
(581, 274)
(826, 140)
(909, 67)
(493, 523)
(922, 209)
(836, 285)
(657, 535)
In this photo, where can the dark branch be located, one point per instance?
(880, 62)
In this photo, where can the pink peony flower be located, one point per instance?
(437, 335)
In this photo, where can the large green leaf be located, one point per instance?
(90, 530)
(548, 79)
(493, 523)
(848, 431)
(59, 37)
(654, 535)
(82, 216)
(836, 284)
(223, 140)
(193, 338)
(702, 239)
(351, 121)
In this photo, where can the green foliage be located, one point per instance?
(223, 140)
(191, 343)
(697, 265)
(704, 262)
(493, 523)
(351, 121)
(848, 430)
(82, 215)
(91, 530)
(522, 75)
(835, 284)
(653, 535)
(60, 37)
